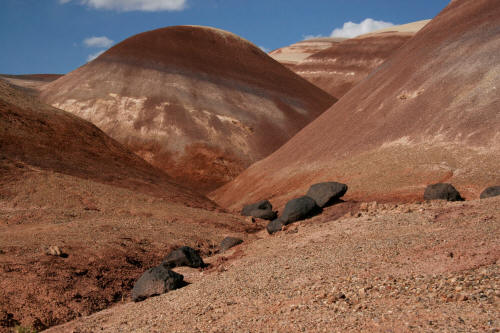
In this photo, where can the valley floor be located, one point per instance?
(431, 266)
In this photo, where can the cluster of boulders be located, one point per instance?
(445, 191)
(319, 196)
(161, 279)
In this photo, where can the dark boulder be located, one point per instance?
(326, 193)
(442, 191)
(261, 205)
(490, 192)
(183, 256)
(265, 214)
(274, 226)
(229, 242)
(299, 209)
(156, 281)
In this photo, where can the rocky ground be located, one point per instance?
(431, 266)
(106, 236)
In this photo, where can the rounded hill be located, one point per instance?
(200, 103)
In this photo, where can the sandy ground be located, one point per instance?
(431, 266)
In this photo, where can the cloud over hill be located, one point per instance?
(134, 5)
(351, 29)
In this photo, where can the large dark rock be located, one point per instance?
(299, 209)
(265, 214)
(442, 191)
(261, 205)
(183, 256)
(156, 281)
(489, 192)
(326, 193)
(229, 242)
(274, 226)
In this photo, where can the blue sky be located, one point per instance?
(48, 36)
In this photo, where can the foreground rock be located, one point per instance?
(183, 256)
(156, 281)
(298, 209)
(442, 191)
(229, 242)
(274, 226)
(326, 193)
(490, 192)
(260, 210)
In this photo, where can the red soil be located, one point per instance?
(430, 113)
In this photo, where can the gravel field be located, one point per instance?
(430, 266)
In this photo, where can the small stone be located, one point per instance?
(299, 209)
(55, 251)
(442, 191)
(325, 194)
(490, 192)
(229, 242)
(156, 281)
(183, 256)
(274, 226)
(250, 219)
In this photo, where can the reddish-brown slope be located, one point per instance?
(199, 103)
(339, 68)
(39, 136)
(430, 113)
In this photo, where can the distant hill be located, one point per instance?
(341, 66)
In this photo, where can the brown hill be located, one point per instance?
(292, 55)
(40, 137)
(199, 103)
(340, 67)
(428, 114)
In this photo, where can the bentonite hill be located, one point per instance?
(200, 103)
(340, 67)
(424, 116)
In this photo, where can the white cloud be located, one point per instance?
(94, 55)
(265, 49)
(132, 5)
(306, 37)
(351, 29)
(100, 42)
